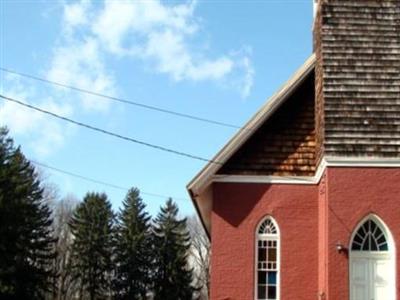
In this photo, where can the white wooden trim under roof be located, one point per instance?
(199, 187)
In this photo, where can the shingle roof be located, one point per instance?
(199, 187)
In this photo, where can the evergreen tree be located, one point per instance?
(92, 247)
(26, 242)
(133, 249)
(171, 240)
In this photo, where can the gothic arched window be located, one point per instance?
(370, 237)
(267, 267)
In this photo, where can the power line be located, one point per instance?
(125, 101)
(116, 135)
(114, 186)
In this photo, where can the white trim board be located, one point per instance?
(325, 162)
(274, 179)
(362, 162)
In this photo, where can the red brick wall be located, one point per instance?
(238, 208)
(322, 237)
(352, 195)
(311, 219)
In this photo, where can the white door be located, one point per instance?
(382, 279)
(372, 262)
(371, 279)
(359, 277)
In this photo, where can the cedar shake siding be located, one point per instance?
(357, 45)
(285, 143)
(319, 99)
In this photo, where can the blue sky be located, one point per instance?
(214, 59)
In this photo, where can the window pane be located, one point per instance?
(356, 247)
(381, 239)
(262, 292)
(384, 247)
(366, 244)
(272, 255)
(378, 232)
(374, 245)
(271, 292)
(262, 277)
(272, 278)
(262, 254)
(364, 229)
(358, 239)
(373, 226)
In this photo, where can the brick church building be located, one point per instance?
(304, 201)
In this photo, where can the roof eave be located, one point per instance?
(204, 178)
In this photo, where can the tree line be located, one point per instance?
(84, 250)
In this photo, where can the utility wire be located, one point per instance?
(114, 186)
(125, 101)
(116, 135)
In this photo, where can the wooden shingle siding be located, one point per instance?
(285, 144)
(319, 98)
(357, 44)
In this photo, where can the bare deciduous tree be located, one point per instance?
(64, 288)
(200, 256)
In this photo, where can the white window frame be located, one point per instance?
(270, 237)
(389, 239)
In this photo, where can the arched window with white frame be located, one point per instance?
(267, 260)
(372, 263)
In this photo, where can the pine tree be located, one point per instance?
(172, 277)
(26, 242)
(92, 247)
(133, 250)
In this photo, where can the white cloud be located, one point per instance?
(79, 63)
(76, 14)
(165, 36)
(118, 21)
(248, 76)
(46, 134)
(172, 57)
(161, 35)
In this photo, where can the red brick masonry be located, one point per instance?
(311, 219)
